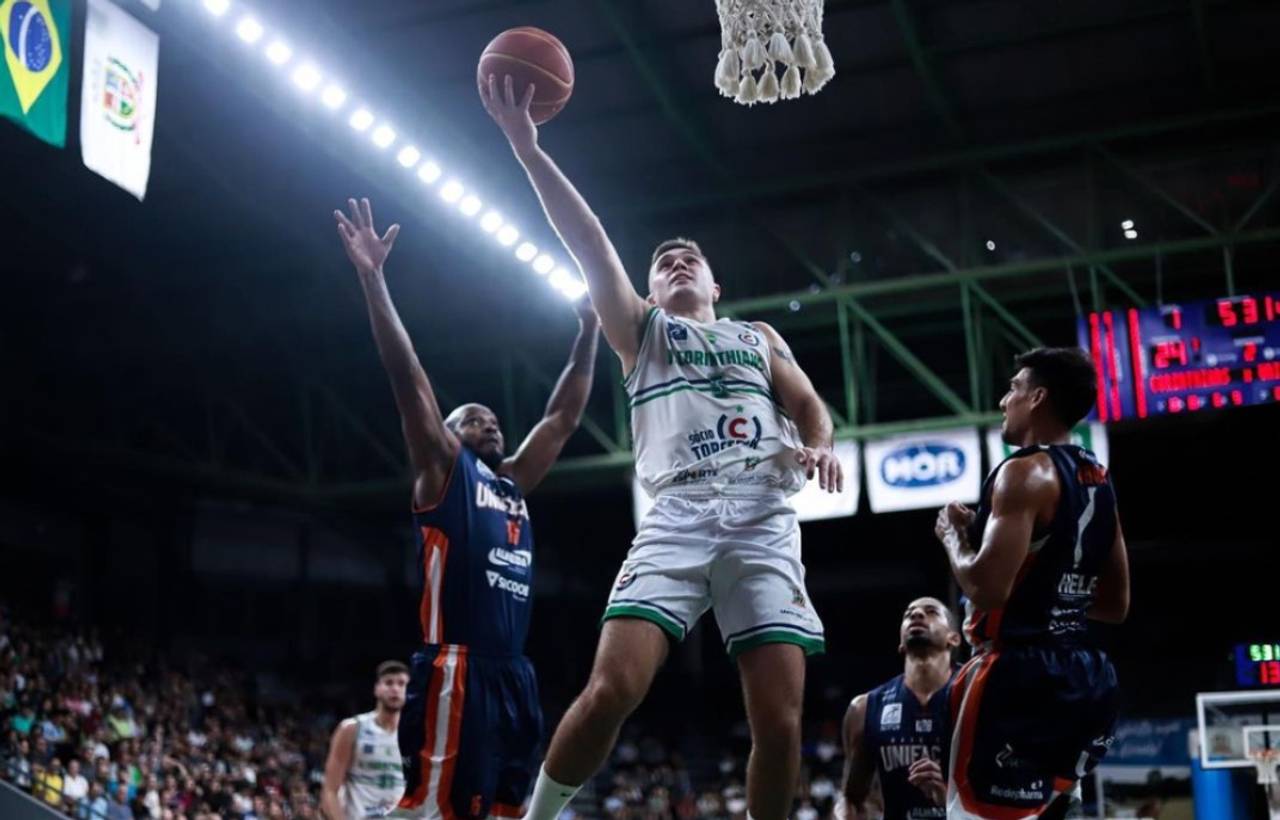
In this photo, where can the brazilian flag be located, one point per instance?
(33, 78)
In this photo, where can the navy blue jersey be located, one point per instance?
(897, 732)
(1058, 578)
(476, 557)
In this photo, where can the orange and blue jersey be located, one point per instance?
(1034, 710)
(1056, 582)
(471, 724)
(475, 556)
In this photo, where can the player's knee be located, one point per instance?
(612, 696)
(777, 732)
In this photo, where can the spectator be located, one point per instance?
(119, 806)
(75, 787)
(19, 768)
(24, 720)
(48, 783)
(95, 808)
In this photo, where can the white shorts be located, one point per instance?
(737, 556)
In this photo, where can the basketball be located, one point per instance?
(530, 55)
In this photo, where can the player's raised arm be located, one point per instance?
(432, 447)
(807, 410)
(1024, 490)
(1111, 601)
(336, 767)
(564, 409)
(855, 783)
(621, 309)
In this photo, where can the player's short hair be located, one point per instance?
(676, 242)
(1067, 374)
(391, 668)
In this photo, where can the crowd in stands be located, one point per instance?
(105, 737)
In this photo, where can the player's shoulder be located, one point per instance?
(348, 727)
(1026, 476)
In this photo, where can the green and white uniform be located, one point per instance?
(719, 455)
(375, 781)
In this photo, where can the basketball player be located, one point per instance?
(1034, 709)
(363, 775)
(900, 731)
(472, 721)
(726, 425)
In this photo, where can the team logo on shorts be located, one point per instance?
(748, 338)
(891, 716)
(625, 580)
(677, 332)
(797, 597)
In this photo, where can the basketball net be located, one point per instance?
(760, 38)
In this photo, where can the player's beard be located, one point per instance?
(920, 642)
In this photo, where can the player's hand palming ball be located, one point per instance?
(531, 57)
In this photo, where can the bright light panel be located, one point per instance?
(383, 136)
(333, 96)
(279, 52)
(508, 235)
(471, 205)
(526, 251)
(452, 191)
(249, 30)
(361, 119)
(491, 221)
(1130, 234)
(429, 172)
(217, 7)
(307, 77)
(408, 156)
(543, 264)
(1127, 224)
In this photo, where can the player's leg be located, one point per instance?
(629, 654)
(768, 625)
(773, 689)
(519, 735)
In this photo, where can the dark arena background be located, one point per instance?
(205, 538)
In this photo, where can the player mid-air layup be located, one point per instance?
(726, 425)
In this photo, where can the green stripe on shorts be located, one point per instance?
(810, 645)
(644, 613)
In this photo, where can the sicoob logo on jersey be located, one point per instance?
(730, 431)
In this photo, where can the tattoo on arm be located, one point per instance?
(783, 353)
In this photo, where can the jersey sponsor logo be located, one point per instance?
(748, 338)
(1091, 474)
(891, 716)
(924, 724)
(488, 499)
(730, 431)
(695, 474)
(515, 559)
(677, 332)
(922, 465)
(716, 358)
(1077, 585)
(516, 588)
(894, 756)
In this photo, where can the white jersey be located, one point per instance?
(704, 417)
(375, 781)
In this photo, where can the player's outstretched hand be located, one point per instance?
(511, 114)
(822, 462)
(366, 250)
(586, 313)
(953, 523)
(926, 775)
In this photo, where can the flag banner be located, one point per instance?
(118, 100)
(33, 90)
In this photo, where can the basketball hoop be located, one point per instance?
(760, 37)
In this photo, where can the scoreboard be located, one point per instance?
(1185, 358)
(1257, 664)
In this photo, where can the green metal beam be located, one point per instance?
(954, 159)
(1026, 209)
(926, 281)
(1258, 203)
(924, 67)
(1155, 190)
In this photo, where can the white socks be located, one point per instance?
(549, 797)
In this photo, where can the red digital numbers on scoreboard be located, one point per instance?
(1246, 311)
(1168, 354)
(1269, 673)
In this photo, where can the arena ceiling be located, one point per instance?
(214, 333)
